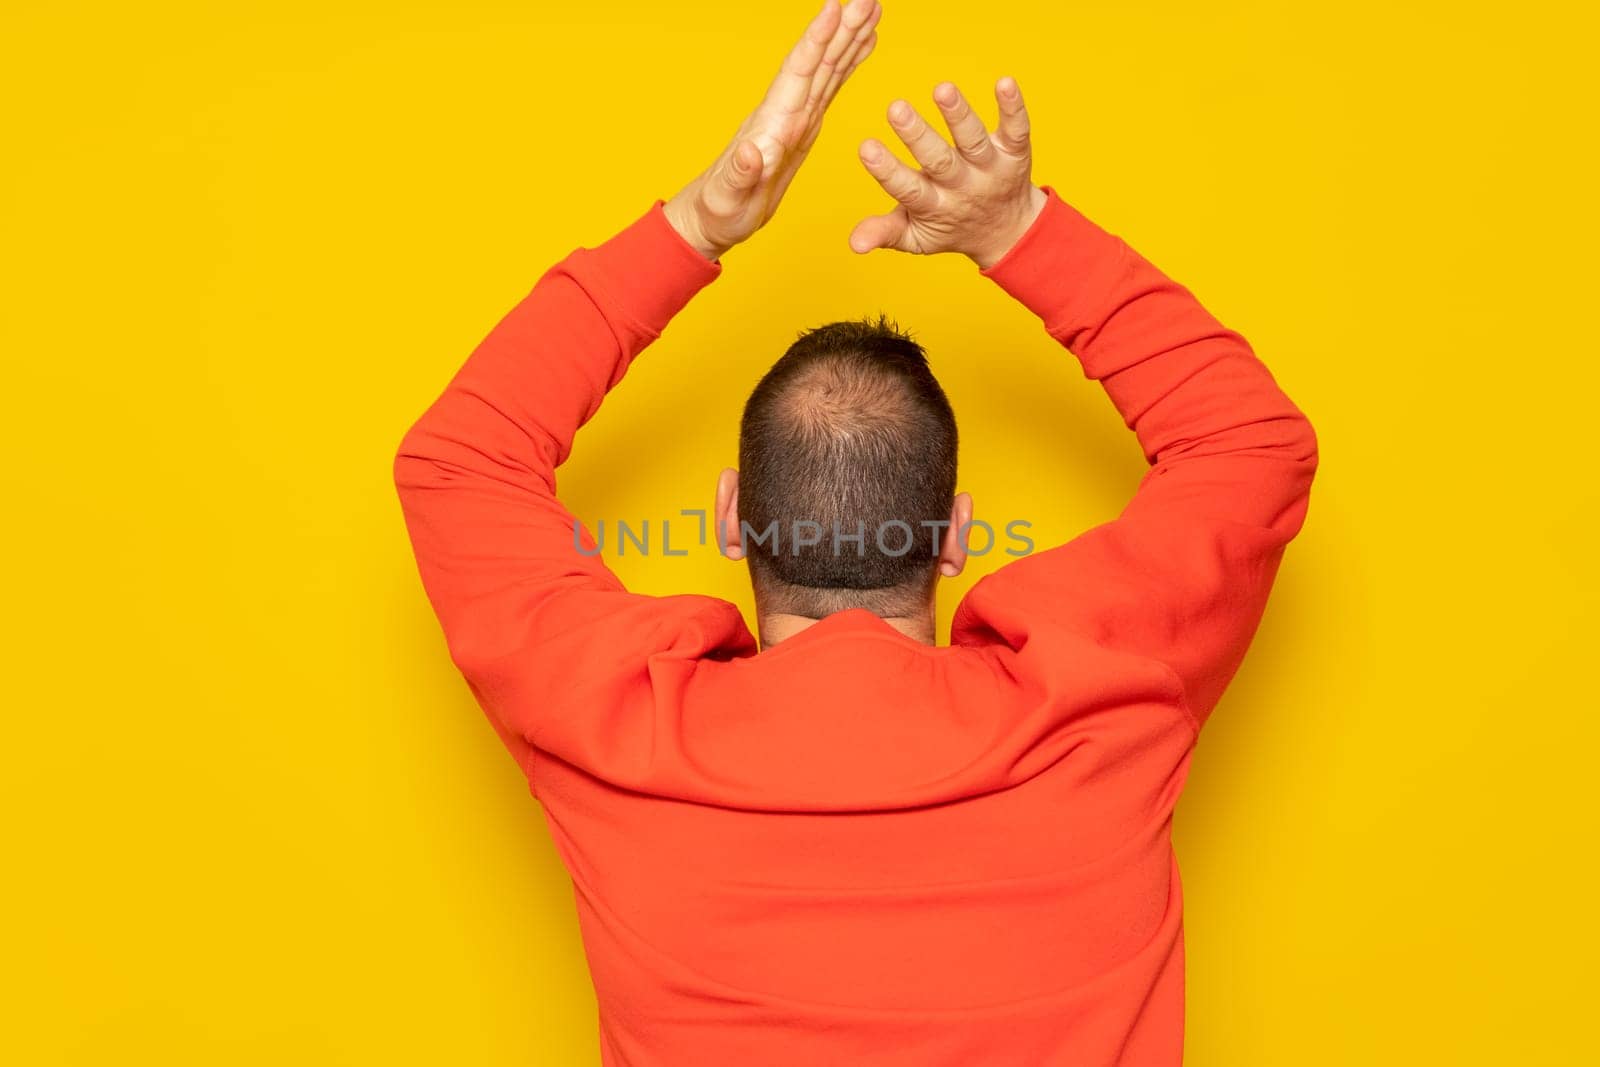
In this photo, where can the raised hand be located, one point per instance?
(738, 193)
(974, 194)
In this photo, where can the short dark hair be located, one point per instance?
(850, 431)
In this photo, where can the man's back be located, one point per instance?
(945, 854)
(855, 846)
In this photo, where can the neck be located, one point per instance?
(777, 626)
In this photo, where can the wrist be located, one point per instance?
(685, 220)
(1007, 236)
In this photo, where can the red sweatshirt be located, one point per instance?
(853, 848)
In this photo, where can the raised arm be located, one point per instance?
(1182, 576)
(528, 617)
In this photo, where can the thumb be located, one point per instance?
(880, 231)
(727, 189)
(744, 168)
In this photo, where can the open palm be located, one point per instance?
(740, 191)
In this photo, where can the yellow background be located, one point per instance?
(253, 815)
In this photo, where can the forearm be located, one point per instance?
(511, 411)
(1192, 389)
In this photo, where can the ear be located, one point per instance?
(953, 553)
(726, 515)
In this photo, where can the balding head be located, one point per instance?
(848, 432)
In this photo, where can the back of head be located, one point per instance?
(847, 457)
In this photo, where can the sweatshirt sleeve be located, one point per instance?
(1182, 575)
(540, 629)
